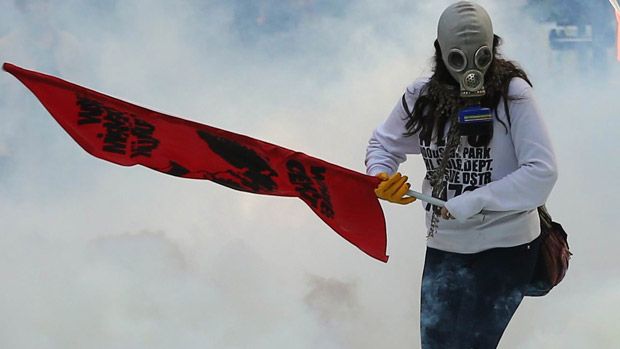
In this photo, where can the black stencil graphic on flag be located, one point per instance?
(252, 172)
(176, 169)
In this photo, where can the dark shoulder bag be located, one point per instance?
(553, 256)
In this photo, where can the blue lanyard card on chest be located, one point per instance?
(475, 120)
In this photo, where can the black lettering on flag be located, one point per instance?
(303, 183)
(90, 111)
(318, 173)
(120, 129)
(144, 143)
(117, 131)
(312, 189)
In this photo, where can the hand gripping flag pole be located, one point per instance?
(128, 135)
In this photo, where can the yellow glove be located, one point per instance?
(394, 188)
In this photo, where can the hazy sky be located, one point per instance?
(94, 255)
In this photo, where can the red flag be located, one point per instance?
(127, 134)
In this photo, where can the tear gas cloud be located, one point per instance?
(94, 255)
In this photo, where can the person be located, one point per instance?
(488, 155)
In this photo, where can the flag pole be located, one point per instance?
(426, 198)
(616, 7)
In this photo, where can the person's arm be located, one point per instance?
(388, 146)
(529, 186)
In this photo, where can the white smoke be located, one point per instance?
(94, 255)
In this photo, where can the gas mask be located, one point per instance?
(465, 35)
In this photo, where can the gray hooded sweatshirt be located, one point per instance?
(494, 190)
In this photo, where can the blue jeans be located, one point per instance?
(467, 300)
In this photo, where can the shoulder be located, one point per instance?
(415, 88)
(412, 92)
(519, 88)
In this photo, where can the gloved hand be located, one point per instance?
(394, 188)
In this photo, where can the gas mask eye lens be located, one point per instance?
(457, 60)
(483, 57)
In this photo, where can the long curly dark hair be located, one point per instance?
(439, 99)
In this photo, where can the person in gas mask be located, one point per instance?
(488, 154)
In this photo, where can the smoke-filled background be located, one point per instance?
(94, 255)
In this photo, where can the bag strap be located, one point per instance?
(545, 217)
